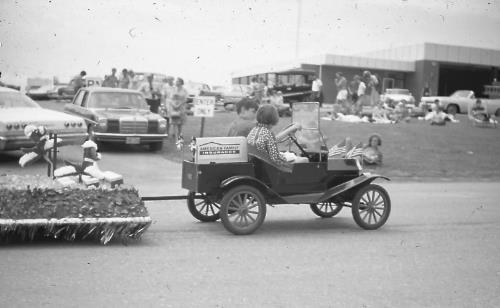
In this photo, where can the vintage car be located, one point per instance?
(461, 100)
(392, 97)
(228, 180)
(119, 115)
(18, 110)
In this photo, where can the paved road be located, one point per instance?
(439, 248)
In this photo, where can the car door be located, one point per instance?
(79, 105)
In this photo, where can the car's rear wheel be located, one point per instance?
(371, 207)
(243, 209)
(497, 113)
(157, 146)
(204, 209)
(326, 209)
(452, 109)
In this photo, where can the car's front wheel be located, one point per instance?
(371, 207)
(452, 109)
(204, 209)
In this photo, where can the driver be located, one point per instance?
(263, 139)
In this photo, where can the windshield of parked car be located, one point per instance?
(117, 101)
(461, 94)
(398, 91)
(16, 100)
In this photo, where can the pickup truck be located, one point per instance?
(460, 100)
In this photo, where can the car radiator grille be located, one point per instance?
(133, 127)
(153, 126)
(113, 126)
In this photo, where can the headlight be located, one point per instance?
(162, 125)
(102, 124)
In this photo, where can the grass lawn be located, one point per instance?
(412, 150)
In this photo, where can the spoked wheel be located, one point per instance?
(371, 207)
(326, 209)
(204, 209)
(243, 209)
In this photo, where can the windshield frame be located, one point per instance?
(108, 100)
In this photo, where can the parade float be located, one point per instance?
(75, 202)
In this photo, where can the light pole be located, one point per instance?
(297, 34)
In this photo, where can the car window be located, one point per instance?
(117, 101)
(16, 100)
(78, 101)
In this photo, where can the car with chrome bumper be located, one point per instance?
(461, 100)
(18, 110)
(119, 116)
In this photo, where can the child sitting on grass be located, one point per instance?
(246, 110)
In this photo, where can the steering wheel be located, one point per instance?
(292, 136)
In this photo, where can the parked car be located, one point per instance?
(69, 91)
(231, 94)
(39, 88)
(119, 115)
(460, 100)
(394, 96)
(18, 110)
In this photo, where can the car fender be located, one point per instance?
(240, 179)
(362, 180)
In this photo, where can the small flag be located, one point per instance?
(355, 151)
(180, 143)
(337, 149)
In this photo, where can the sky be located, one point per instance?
(207, 40)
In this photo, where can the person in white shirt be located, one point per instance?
(317, 86)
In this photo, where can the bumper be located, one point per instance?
(18, 142)
(129, 138)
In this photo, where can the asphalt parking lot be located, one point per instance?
(438, 248)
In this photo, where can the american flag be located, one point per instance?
(355, 151)
(338, 149)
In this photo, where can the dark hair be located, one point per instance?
(180, 80)
(247, 103)
(83, 73)
(374, 136)
(436, 101)
(253, 79)
(267, 114)
(478, 101)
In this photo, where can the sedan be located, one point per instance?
(394, 96)
(119, 115)
(18, 110)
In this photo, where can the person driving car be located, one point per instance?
(263, 139)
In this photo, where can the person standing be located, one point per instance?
(79, 80)
(361, 97)
(317, 88)
(341, 84)
(124, 80)
(177, 110)
(166, 90)
(113, 80)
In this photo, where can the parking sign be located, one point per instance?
(204, 106)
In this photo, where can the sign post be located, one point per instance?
(204, 106)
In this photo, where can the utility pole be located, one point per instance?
(297, 34)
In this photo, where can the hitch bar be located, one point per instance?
(161, 198)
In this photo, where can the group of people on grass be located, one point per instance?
(255, 122)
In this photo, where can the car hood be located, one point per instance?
(35, 115)
(120, 113)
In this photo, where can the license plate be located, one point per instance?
(133, 140)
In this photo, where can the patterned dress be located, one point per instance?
(264, 141)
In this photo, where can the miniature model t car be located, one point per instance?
(238, 192)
